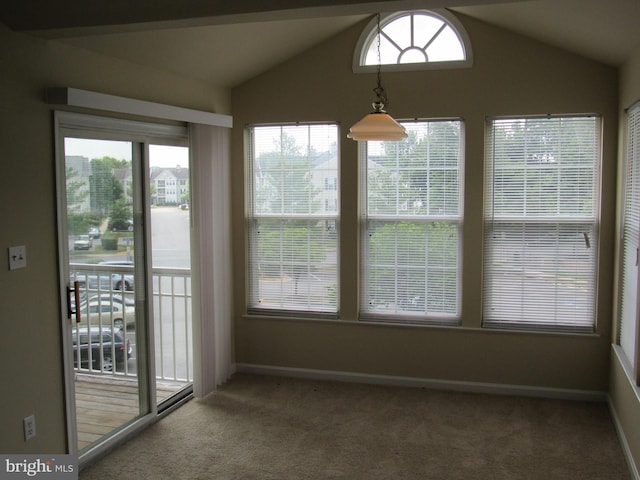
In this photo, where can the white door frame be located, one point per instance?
(68, 124)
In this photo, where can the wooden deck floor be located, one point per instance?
(104, 403)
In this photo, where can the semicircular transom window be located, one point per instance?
(414, 41)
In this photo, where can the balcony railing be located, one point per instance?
(105, 341)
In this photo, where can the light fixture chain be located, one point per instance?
(379, 90)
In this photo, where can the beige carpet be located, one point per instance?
(275, 428)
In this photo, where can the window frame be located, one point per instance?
(253, 307)
(537, 221)
(628, 328)
(406, 317)
(371, 31)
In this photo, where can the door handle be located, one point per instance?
(76, 296)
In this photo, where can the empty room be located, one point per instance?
(317, 239)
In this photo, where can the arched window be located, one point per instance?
(415, 40)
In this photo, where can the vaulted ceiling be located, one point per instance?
(225, 43)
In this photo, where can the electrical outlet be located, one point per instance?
(29, 427)
(17, 257)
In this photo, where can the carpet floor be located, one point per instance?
(260, 427)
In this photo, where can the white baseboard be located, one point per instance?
(623, 442)
(471, 387)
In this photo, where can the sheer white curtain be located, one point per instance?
(211, 263)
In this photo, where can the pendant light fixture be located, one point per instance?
(378, 125)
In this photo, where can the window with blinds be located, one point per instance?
(628, 290)
(293, 206)
(541, 222)
(412, 216)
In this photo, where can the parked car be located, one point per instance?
(83, 242)
(125, 301)
(126, 225)
(107, 297)
(105, 280)
(107, 311)
(99, 348)
(94, 232)
(122, 277)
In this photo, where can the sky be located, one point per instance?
(159, 155)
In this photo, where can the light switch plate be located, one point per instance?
(17, 257)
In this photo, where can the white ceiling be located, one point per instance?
(227, 48)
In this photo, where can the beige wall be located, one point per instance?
(625, 397)
(30, 356)
(511, 75)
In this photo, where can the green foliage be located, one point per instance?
(544, 166)
(79, 223)
(105, 187)
(77, 191)
(287, 246)
(412, 264)
(186, 196)
(418, 176)
(408, 258)
(109, 241)
(285, 185)
(153, 193)
(332, 293)
(120, 215)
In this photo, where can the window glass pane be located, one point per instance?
(293, 218)
(412, 37)
(413, 55)
(413, 267)
(445, 47)
(389, 51)
(295, 262)
(539, 163)
(541, 236)
(399, 31)
(541, 274)
(419, 176)
(411, 262)
(425, 27)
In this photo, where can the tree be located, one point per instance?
(153, 193)
(407, 259)
(289, 242)
(104, 186)
(77, 191)
(120, 215)
(79, 220)
(186, 196)
(413, 261)
(544, 166)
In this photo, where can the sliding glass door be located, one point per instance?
(170, 214)
(123, 201)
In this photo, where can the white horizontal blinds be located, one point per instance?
(541, 235)
(628, 297)
(413, 213)
(293, 218)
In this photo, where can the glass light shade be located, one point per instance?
(377, 126)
